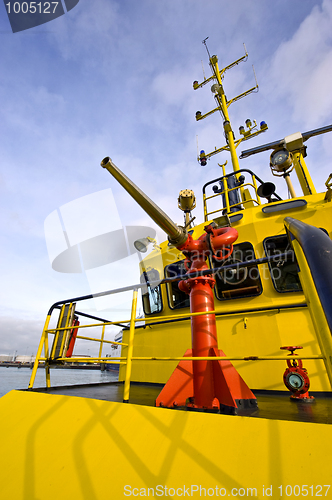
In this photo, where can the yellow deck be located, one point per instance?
(61, 447)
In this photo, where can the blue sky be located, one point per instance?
(114, 77)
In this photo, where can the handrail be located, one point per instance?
(176, 318)
(229, 190)
(153, 284)
(313, 250)
(317, 248)
(233, 173)
(226, 190)
(199, 358)
(228, 206)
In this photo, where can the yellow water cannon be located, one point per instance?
(177, 235)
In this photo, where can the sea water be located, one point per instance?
(18, 378)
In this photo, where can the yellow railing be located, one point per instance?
(129, 358)
(228, 206)
(246, 198)
(47, 359)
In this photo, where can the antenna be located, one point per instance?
(203, 70)
(246, 52)
(257, 86)
(204, 41)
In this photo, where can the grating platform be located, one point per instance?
(276, 406)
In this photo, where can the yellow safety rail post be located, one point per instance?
(315, 308)
(225, 187)
(205, 208)
(255, 187)
(38, 355)
(130, 348)
(102, 341)
(47, 364)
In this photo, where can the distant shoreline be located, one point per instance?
(10, 364)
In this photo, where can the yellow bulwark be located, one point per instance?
(60, 447)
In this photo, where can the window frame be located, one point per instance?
(215, 263)
(279, 236)
(169, 290)
(146, 296)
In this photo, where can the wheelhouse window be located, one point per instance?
(151, 297)
(284, 273)
(240, 281)
(176, 298)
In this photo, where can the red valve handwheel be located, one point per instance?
(296, 377)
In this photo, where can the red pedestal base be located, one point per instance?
(231, 392)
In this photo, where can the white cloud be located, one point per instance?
(21, 334)
(301, 69)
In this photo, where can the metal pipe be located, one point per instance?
(190, 358)
(290, 185)
(177, 235)
(229, 358)
(100, 340)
